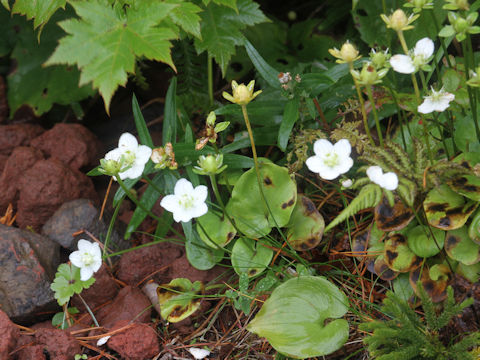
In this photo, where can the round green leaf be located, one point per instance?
(178, 299)
(219, 230)
(306, 225)
(249, 256)
(422, 243)
(398, 256)
(294, 318)
(460, 247)
(246, 205)
(469, 272)
(447, 210)
(474, 228)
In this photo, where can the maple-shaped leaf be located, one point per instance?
(229, 3)
(186, 16)
(221, 29)
(105, 41)
(40, 11)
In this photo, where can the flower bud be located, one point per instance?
(110, 167)
(398, 20)
(379, 59)
(347, 183)
(209, 165)
(347, 53)
(242, 94)
(211, 118)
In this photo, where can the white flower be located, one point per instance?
(388, 181)
(88, 258)
(186, 202)
(198, 353)
(438, 101)
(421, 56)
(132, 156)
(103, 340)
(330, 160)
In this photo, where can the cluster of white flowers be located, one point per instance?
(419, 57)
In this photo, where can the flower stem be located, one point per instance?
(471, 94)
(110, 228)
(213, 181)
(362, 107)
(89, 311)
(400, 116)
(141, 206)
(440, 130)
(442, 42)
(210, 79)
(375, 114)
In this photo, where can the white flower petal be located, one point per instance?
(127, 142)
(103, 340)
(182, 187)
(402, 64)
(142, 154)
(322, 147)
(427, 106)
(198, 353)
(328, 173)
(170, 203)
(84, 245)
(375, 174)
(85, 273)
(200, 193)
(76, 259)
(114, 154)
(390, 181)
(199, 210)
(342, 148)
(344, 165)
(347, 183)
(314, 164)
(424, 47)
(133, 172)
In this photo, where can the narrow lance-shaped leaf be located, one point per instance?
(290, 116)
(170, 116)
(265, 70)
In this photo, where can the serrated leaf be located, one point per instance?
(104, 43)
(229, 3)
(39, 11)
(186, 16)
(221, 29)
(67, 282)
(56, 84)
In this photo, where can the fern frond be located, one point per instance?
(402, 156)
(350, 131)
(369, 196)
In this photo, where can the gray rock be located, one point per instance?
(28, 263)
(77, 215)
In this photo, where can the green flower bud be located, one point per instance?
(209, 165)
(211, 118)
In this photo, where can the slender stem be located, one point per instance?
(442, 42)
(440, 130)
(471, 95)
(375, 114)
(141, 206)
(210, 79)
(152, 184)
(400, 116)
(213, 181)
(89, 311)
(452, 130)
(362, 107)
(110, 228)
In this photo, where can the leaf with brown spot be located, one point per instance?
(474, 228)
(249, 256)
(398, 255)
(434, 281)
(219, 231)
(460, 247)
(394, 218)
(306, 225)
(466, 185)
(447, 210)
(179, 299)
(382, 270)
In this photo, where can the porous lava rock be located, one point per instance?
(73, 144)
(15, 135)
(102, 291)
(44, 187)
(9, 334)
(59, 344)
(130, 304)
(3, 161)
(20, 160)
(136, 265)
(34, 352)
(138, 342)
(28, 263)
(76, 215)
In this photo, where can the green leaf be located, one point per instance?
(229, 3)
(200, 256)
(422, 243)
(67, 282)
(221, 29)
(398, 256)
(140, 124)
(264, 69)
(39, 11)
(104, 43)
(290, 116)
(460, 247)
(185, 16)
(250, 257)
(179, 299)
(170, 117)
(55, 84)
(219, 231)
(294, 318)
(247, 208)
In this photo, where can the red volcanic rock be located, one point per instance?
(12, 136)
(45, 187)
(72, 144)
(20, 160)
(32, 353)
(9, 336)
(59, 344)
(129, 304)
(138, 342)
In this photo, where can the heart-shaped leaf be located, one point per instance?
(382, 270)
(306, 225)
(179, 299)
(247, 207)
(398, 255)
(250, 257)
(219, 231)
(434, 281)
(469, 272)
(460, 247)
(297, 319)
(447, 210)
(422, 243)
(394, 218)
